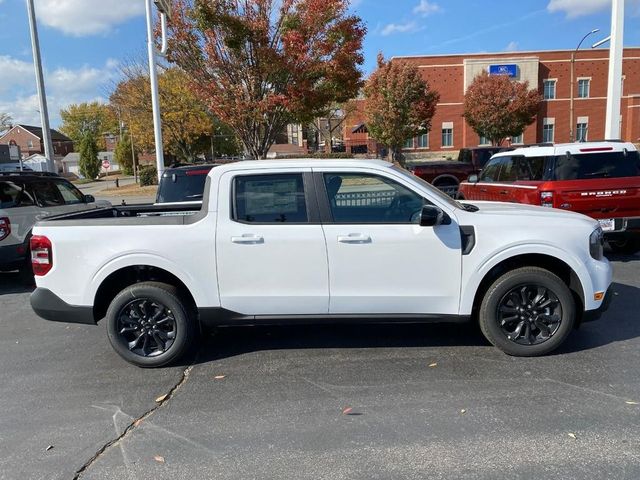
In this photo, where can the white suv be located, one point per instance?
(26, 197)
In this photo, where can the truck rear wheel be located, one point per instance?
(527, 312)
(149, 325)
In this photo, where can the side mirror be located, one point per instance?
(473, 178)
(89, 199)
(432, 217)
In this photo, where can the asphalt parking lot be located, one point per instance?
(339, 402)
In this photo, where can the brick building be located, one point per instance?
(549, 71)
(29, 139)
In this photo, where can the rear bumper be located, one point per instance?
(624, 225)
(49, 306)
(11, 256)
(591, 315)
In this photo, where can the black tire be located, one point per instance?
(547, 321)
(626, 246)
(25, 271)
(175, 328)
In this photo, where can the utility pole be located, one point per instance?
(614, 86)
(573, 74)
(44, 112)
(164, 7)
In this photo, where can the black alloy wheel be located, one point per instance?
(529, 314)
(148, 327)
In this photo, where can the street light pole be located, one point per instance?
(614, 87)
(155, 102)
(44, 112)
(573, 69)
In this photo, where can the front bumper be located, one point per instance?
(591, 315)
(49, 306)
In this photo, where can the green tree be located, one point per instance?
(497, 107)
(259, 65)
(89, 162)
(91, 118)
(124, 155)
(399, 105)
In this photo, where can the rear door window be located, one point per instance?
(14, 195)
(508, 171)
(597, 165)
(270, 198)
(530, 168)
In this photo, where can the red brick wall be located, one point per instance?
(445, 74)
(23, 137)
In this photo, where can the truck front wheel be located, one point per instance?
(527, 312)
(149, 325)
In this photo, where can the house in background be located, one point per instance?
(71, 163)
(29, 139)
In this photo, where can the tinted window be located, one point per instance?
(361, 198)
(270, 199)
(530, 169)
(182, 186)
(508, 170)
(47, 194)
(13, 194)
(490, 172)
(597, 165)
(70, 194)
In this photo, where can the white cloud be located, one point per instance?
(86, 17)
(425, 8)
(577, 8)
(64, 86)
(511, 46)
(392, 28)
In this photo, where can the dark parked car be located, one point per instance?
(183, 184)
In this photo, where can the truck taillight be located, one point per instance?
(546, 199)
(5, 228)
(41, 255)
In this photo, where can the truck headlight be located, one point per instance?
(596, 244)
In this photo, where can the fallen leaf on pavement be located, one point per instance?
(463, 411)
(219, 377)
(629, 402)
(572, 435)
(159, 459)
(434, 364)
(49, 447)
(161, 398)
(137, 422)
(347, 410)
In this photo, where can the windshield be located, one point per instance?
(597, 165)
(433, 190)
(178, 187)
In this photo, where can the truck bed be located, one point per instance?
(129, 215)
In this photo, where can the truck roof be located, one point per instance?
(573, 148)
(299, 163)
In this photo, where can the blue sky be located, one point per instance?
(84, 40)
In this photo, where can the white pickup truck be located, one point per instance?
(319, 240)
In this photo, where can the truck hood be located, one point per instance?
(519, 209)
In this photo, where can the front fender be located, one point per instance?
(476, 275)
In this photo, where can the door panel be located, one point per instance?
(380, 259)
(271, 259)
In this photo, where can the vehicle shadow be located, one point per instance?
(616, 257)
(233, 341)
(619, 323)
(11, 282)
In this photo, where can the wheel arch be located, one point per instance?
(542, 260)
(124, 277)
(445, 176)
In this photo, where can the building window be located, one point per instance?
(408, 143)
(548, 128)
(423, 141)
(583, 88)
(30, 144)
(484, 140)
(549, 89)
(582, 128)
(517, 140)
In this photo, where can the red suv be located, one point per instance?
(598, 179)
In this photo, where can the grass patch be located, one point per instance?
(131, 190)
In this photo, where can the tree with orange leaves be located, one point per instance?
(261, 64)
(497, 107)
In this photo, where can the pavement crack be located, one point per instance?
(135, 423)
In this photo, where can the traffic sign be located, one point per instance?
(106, 165)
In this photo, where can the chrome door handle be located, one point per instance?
(248, 239)
(354, 238)
(483, 190)
(504, 192)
